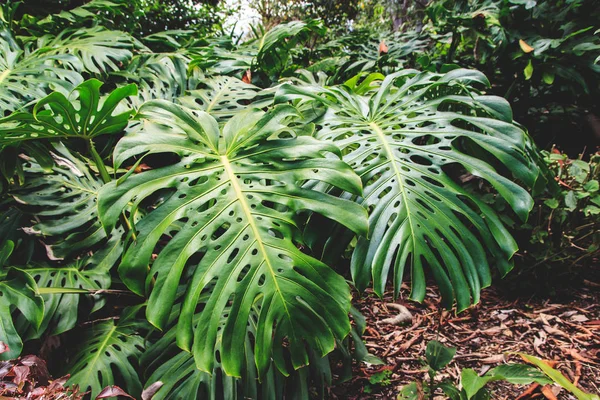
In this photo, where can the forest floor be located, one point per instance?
(564, 330)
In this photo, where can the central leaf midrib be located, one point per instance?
(100, 351)
(240, 196)
(4, 74)
(390, 156)
(218, 96)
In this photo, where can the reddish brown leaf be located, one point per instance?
(151, 390)
(39, 370)
(383, 49)
(527, 393)
(4, 347)
(21, 373)
(247, 78)
(548, 393)
(112, 391)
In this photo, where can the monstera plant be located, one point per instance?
(407, 139)
(179, 227)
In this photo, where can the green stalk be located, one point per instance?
(99, 163)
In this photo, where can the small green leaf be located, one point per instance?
(58, 117)
(591, 210)
(552, 203)
(412, 391)
(473, 383)
(438, 355)
(548, 77)
(571, 201)
(591, 186)
(528, 71)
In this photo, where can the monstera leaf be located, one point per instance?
(99, 50)
(158, 76)
(238, 192)
(64, 203)
(86, 119)
(223, 97)
(26, 76)
(105, 356)
(62, 288)
(17, 290)
(409, 140)
(180, 378)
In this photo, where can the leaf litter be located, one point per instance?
(566, 334)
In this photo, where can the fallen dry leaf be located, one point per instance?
(548, 393)
(247, 78)
(525, 47)
(112, 391)
(383, 49)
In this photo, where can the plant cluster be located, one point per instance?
(474, 387)
(179, 213)
(562, 236)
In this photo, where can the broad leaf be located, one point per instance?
(158, 76)
(99, 50)
(62, 289)
(106, 348)
(27, 76)
(472, 383)
(87, 118)
(438, 355)
(64, 203)
(17, 290)
(409, 140)
(223, 97)
(519, 374)
(181, 379)
(237, 192)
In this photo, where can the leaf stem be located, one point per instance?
(98, 161)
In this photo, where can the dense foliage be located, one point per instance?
(183, 208)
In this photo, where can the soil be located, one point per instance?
(565, 330)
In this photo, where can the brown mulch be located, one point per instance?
(565, 331)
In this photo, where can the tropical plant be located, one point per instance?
(179, 215)
(410, 140)
(542, 55)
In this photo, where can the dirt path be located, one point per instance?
(566, 331)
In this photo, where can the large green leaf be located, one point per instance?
(238, 193)
(64, 203)
(180, 378)
(107, 355)
(223, 97)
(99, 50)
(408, 140)
(87, 118)
(62, 289)
(158, 76)
(17, 290)
(26, 76)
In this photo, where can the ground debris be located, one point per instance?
(565, 333)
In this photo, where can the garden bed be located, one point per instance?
(565, 329)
